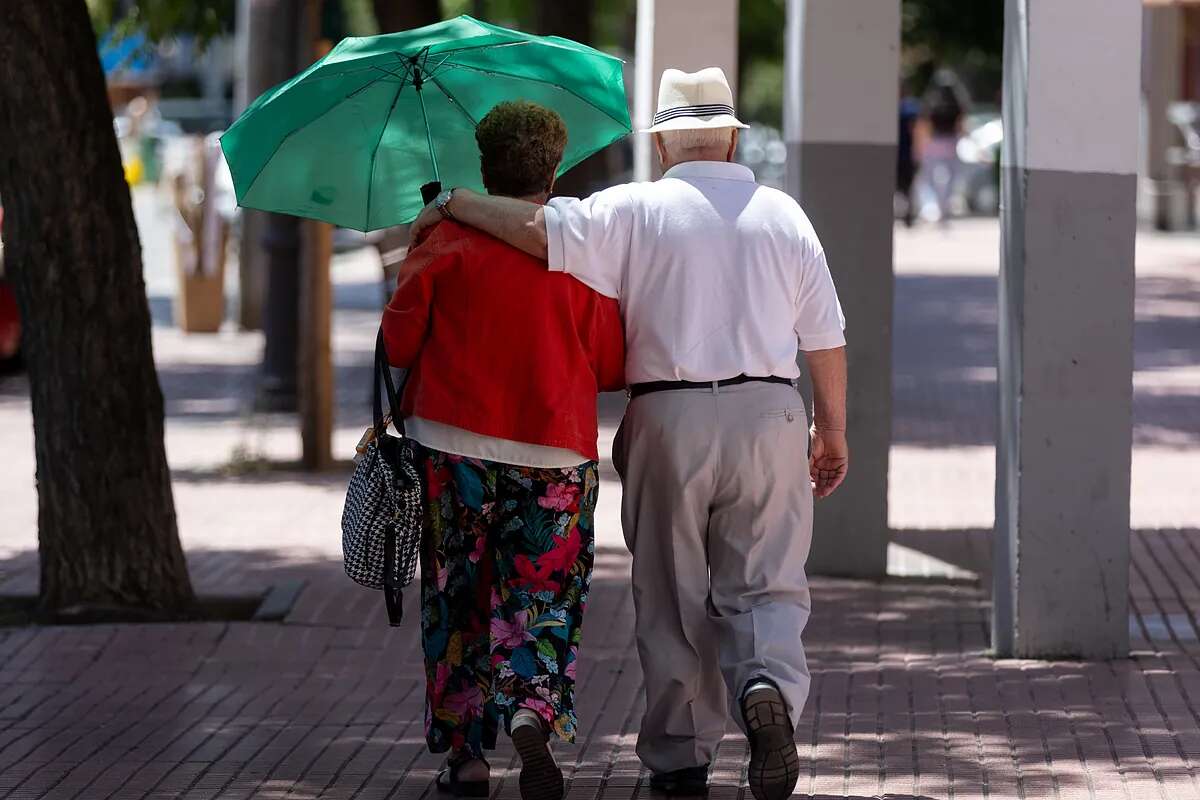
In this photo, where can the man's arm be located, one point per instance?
(830, 454)
(517, 222)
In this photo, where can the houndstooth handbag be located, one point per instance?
(383, 520)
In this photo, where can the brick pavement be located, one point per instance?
(906, 702)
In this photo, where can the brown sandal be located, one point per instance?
(447, 780)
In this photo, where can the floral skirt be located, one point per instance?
(505, 568)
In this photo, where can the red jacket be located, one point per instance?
(500, 346)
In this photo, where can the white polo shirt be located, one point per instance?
(716, 275)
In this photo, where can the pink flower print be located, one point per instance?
(540, 707)
(572, 659)
(560, 498)
(441, 678)
(477, 553)
(511, 635)
(467, 704)
(443, 575)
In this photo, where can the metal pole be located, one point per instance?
(428, 133)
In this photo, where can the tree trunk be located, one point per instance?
(573, 21)
(400, 15)
(280, 238)
(106, 519)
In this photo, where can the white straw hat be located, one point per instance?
(691, 100)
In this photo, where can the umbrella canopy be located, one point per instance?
(353, 138)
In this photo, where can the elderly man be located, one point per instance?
(721, 282)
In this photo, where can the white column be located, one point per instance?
(686, 35)
(841, 89)
(1066, 328)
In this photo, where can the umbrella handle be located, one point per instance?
(430, 191)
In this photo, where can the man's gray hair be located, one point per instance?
(681, 144)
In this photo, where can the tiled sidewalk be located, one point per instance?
(906, 702)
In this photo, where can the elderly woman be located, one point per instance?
(506, 359)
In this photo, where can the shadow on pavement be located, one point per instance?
(945, 351)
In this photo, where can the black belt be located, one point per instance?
(639, 389)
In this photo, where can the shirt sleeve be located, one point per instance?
(590, 239)
(406, 318)
(820, 324)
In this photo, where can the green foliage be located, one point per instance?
(966, 36)
(760, 60)
(613, 19)
(760, 91)
(951, 30)
(359, 17)
(162, 19)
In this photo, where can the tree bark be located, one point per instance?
(107, 534)
(400, 15)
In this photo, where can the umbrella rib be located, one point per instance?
(375, 152)
(453, 51)
(571, 92)
(454, 101)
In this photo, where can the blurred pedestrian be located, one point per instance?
(906, 157)
(944, 109)
(506, 360)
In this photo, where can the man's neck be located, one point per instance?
(712, 155)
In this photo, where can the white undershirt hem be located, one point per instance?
(461, 442)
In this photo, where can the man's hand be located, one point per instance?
(424, 222)
(517, 222)
(829, 460)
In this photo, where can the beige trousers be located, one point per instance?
(717, 512)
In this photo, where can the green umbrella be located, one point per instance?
(353, 138)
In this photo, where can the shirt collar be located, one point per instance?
(711, 169)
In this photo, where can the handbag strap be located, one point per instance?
(383, 373)
(393, 594)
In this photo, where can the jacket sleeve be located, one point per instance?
(608, 345)
(406, 318)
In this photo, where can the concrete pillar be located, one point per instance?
(840, 124)
(1162, 78)
(1069, 190)
(686, 35)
